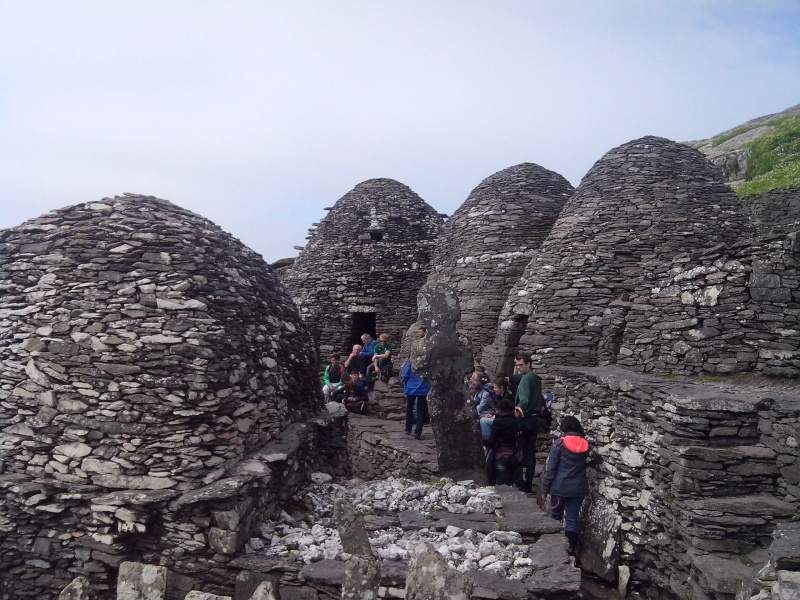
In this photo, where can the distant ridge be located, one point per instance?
(760, 155)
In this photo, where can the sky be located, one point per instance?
(257, 115)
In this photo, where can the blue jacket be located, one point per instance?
(565, 473)
(413, 383)
(487, 401)
(368, 350)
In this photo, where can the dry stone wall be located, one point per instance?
(774, 212)
(145, 354)
(487, 243)
(364, 264)
(731, 309)
(689, 480)
(645, 204)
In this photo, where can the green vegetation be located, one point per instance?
(775, 162)
(729, 136)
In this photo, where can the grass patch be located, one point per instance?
(729, 136)
(775, 162)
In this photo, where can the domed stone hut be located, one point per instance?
(487, 243)
(147, 357)
(364, 264)
(646, 207)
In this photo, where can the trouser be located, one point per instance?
(486, 427)
(567, 508)
(505, 470)
(421, 404)
(371, 376)
(524, 478)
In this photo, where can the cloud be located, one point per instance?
(259, 114)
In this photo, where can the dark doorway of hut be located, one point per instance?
(361, 323)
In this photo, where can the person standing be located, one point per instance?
(565, 478)
(528, 409)
(417, 390)
(502, 443)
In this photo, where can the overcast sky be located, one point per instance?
(258, 114)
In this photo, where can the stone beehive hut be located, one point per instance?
(364, 264)
(144, 353)
(487, 243)
(643, 209)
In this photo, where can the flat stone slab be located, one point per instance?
(376, 522)
(413, 519)
(722, 575)
(325, 572)
(785, 550)
(549, 550)
(496, 588)
(553, 580)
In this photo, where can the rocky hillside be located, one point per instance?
(760, 155)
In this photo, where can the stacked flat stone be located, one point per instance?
(687, 478)
(643, 207)
(487, 243)
(774, 212)
(370, 254)
(144, 353)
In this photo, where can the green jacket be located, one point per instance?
(529, 394)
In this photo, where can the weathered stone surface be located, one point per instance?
(429, 578)
(486, 244)
(362, 578)
(363, 264)
(79, 589)
(443, 357)
(351, 528)
(553, 580)
(137, 581)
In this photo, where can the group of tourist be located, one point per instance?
(349, 382)
(510, 411)
(510, 415)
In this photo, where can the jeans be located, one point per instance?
(567, 508)
(505, 470)
(486, 427)
(421, 403)
(371, 376)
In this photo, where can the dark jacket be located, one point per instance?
(414, 384)
(352, 394)
(504, 432)
(565, 473)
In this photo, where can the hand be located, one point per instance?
(518, 412)
(542, 500)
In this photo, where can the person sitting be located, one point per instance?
(355, 362)
(353, 393)
(368, 347)
(381, 361)
(488, 399)
(502, 444)
(333, 375)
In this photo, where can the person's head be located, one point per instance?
(355, 376)
(366, 338)
(335, 358)
(570, 424)
(523, 362)
(475, 386)
(347, 380)
(357, 349)
(505, 406)
(383, 338)
(422, 332)
(500, 386)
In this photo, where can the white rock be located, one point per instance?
(320, 478)
(458, 494)
(452, 531)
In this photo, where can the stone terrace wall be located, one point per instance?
(370, 254)
(777, 211)
(641, 206)
(687, 478)
(487, 243)
(727, 310)
(144, 353)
